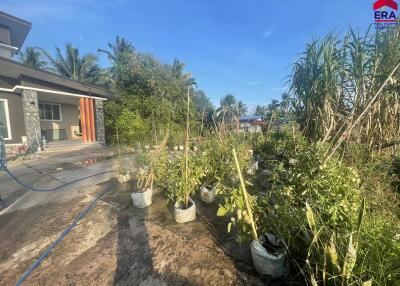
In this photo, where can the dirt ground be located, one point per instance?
(116, 244)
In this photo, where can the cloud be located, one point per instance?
(254, 83)
(267, 34)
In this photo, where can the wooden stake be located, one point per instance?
(202, 121)
(246, 199)
(150, 176)
(187, 147)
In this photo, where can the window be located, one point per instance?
(4, 119)
(48, 111)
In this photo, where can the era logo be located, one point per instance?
(385, 15)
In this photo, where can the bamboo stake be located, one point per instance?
(202, 121)
(150, 176)
(246, 199)
(187, 147)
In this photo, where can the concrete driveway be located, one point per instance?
(49, 171)
(115, 244)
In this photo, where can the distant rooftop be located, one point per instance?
(245, 118)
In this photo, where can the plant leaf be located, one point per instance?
(229, 226)
(221, 211)
(330, 251)
(313, 281)
(310, 219)
(349, 260)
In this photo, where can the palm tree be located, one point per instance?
(117, 54)
(228, 108)
(72, 65)
(273, 105)
(118, 50)
(33, 57)
(241, 108)
(177, 70)
(285, 103)
(261, 110)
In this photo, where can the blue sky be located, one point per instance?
(243, 47)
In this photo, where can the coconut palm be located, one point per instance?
(241, 108)
(227, 111)
(118, 50)
(72, 65)
(177, 71)
(33, 57)
(274, 105)
(117, 55)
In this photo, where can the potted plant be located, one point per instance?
(142, 197)
(181, 184)
(268, 254)
(183, 179)
(123, 173)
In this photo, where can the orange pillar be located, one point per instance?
(88, 121)
(93, 128)
(83, 119)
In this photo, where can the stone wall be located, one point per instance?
(31, 118)
(99, 118)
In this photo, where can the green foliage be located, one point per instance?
(394, 172)
(131, 126)
(32, 56)
(220, 165)
(234, 207)
(178, 186)
(340, 229)
(71, 65)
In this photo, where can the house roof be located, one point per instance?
(19, 28)
(19, 71)
(251, 118)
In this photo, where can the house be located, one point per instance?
(251, 123)
(35, 103)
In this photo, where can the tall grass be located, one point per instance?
(334, 83)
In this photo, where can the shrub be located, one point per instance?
(131, 127)
(315, 209)
(219, 163)
(178, 185)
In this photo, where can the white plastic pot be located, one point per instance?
(266, 263)
(185, 215)
(142, 199)
(124, 178)
(208, 195)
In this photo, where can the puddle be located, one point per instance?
(91, 161)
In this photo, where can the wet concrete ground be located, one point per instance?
(115, 244)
